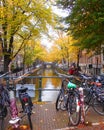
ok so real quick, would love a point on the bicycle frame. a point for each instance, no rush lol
(89, 97)
(26, 103)
(24, 99)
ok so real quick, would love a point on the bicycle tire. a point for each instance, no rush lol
(60, 104)
(3, 114)
(2, 124)
(29, 120)
(3, 111)
(74, 110)
(28, 112)
(98, 106)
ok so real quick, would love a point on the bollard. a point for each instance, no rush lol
(82, 105)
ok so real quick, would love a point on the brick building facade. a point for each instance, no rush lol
(91, 64)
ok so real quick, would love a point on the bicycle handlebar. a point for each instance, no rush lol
(86, 77)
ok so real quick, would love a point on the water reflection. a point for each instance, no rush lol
(47, 83)
(50, 84)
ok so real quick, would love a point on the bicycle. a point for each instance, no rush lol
(91, 95)
(26, 103)
(69, 99)
(73, 104)
(82, 100)
(93, 90)
(63, 94)
(95, 99)
(8, 100)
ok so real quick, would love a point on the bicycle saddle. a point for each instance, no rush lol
(23, 89)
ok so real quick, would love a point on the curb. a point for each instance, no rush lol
(74, 127)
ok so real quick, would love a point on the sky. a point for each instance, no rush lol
(45, 41)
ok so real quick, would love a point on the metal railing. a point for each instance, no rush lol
(39, 88)
(17, 79)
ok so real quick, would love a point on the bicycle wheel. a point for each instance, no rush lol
(28, 112)
(60, 102)
(98, 106)
(2, 123)
(3, 114)
(30, 122)
(74, 110)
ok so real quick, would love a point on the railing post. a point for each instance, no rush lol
(40, 87)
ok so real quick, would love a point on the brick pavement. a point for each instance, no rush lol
(46, 117)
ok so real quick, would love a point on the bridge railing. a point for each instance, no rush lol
(14, 80)
(17, 80)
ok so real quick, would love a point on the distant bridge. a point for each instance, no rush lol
(49, 64)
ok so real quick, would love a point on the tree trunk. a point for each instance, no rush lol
(78, 60)
(6, 62)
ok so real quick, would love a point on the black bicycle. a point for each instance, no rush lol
(93, 94)
(26, 103)
(94, 98)
(8, 102)
(73, 106)
(69, 99)
(62, 96)
(63, 93)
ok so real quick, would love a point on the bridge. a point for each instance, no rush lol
(45, 117)
(49, 64)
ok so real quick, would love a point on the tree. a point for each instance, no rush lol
(85, 22)
(33, 50)
(19, 22)
(68, 50)
(54, 54)
(64, 49)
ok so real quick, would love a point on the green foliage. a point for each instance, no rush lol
(85, 21)
(20, 21)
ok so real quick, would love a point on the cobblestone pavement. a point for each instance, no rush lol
(46, 117)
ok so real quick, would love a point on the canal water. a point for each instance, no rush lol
(50, 85)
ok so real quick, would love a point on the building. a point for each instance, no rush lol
(1, 57)
(91, 63)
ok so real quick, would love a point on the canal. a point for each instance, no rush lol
(50, 85)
